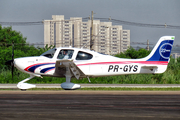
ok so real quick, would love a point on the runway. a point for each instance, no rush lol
(88, 105)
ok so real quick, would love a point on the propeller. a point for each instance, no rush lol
(11, 62)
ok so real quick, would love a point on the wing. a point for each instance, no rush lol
(63, 65)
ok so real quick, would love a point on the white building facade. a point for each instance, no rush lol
(107, 38)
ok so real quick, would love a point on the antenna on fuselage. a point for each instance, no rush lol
(84, 45)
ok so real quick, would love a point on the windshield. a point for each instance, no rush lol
(49, 53)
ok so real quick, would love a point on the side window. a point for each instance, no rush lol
(83, 56)
(65, 54)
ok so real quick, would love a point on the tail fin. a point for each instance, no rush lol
(162, 50)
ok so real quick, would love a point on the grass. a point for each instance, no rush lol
(171, 76)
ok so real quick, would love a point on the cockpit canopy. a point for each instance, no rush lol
(68, 54)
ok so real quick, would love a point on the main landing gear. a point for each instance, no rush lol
(68, 85)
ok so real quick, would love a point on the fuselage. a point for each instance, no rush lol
(92, 64)
(79, 63)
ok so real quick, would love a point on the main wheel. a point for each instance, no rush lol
(23, 89)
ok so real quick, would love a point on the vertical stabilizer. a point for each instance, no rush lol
(162, 50)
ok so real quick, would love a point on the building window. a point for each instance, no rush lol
(66, 21)
(114, 44)
(124, 44)
(84, 33)
(102, 36)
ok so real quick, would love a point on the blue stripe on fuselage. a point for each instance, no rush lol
(46, 69)
(32, 69)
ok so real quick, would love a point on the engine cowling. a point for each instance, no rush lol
(70, 86)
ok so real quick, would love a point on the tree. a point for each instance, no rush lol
(7, 36)
(21, 48)
(133, 54)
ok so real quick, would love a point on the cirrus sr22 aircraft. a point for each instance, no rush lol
(81, 63)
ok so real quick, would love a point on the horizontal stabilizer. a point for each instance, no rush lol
(149, 67)
(146, 66)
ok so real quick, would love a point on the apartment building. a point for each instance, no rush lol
(106, 39)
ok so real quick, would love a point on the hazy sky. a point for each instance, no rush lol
(141, 11)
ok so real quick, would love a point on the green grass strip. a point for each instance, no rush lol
(107, 89)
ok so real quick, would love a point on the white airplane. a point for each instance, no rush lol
(82, 63)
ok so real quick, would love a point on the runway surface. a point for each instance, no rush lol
(88, 105)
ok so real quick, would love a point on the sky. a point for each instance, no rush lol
(140, 11)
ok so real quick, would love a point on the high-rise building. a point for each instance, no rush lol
(106, 39)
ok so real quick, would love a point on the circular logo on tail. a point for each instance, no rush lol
(165, 50)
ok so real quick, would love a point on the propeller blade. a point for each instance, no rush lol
(9, 62)
(13, 51)
(12, 70)
(12, 63)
